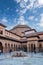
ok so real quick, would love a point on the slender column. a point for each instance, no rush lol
(36, 44)
(28, 47)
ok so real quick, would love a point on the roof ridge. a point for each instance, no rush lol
(3, 25)
(20, 26)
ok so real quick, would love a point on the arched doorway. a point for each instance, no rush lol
(31, 47)
(34, 49)
(24, 48)
(1, 48)
(40, 47)
(6, 47)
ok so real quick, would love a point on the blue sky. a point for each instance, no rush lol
(28, 12)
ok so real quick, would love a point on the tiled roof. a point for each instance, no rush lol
(40, 33)
(32, 35)
(40, 39)
(13, 33)
(2, 25)
(21, 26)
(30, 30)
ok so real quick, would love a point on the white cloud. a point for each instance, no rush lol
(25, 6)
(4, 20)
(33, 3)
(36, 19)
(31, 17)
(18, 1)
(40, 2)
(36, 3)
(26, 0)
(22, 4)
(22, 21)
(40, 24)
(22, 11)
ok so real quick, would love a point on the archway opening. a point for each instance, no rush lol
(24, 48)
(34, 49)
(1, 48)
(6, 47)
(31, 47)
(40, 47)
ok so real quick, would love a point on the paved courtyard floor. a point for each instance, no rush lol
(32, 59)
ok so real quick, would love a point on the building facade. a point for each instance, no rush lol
(20, 37)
